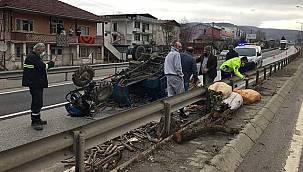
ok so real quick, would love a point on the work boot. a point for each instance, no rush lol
(36, 125)
(42, 122)
(37, 118)
(37, 122)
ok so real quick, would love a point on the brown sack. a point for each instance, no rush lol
(221, 87)
(249, 96)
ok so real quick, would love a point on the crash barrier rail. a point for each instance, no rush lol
(73, 142)
(66, 70)
(101, 130)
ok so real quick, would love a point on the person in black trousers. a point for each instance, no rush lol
(35, 77)
(189, 67)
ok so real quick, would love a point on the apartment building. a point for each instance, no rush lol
(167, 31)
(129, 29)
(69, 33)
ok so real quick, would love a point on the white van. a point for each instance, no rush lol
(252, 52)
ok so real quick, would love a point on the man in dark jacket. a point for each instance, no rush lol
(35, 77)
(189, 67)
(208, 66)
(231, 53)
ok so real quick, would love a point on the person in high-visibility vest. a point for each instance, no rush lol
(35, 77)
(231, 67)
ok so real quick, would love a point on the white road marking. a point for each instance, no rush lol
(293, 160)
(26, 89)
(13, 115)
(50, 86)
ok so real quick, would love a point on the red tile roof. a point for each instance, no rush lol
(49, 7)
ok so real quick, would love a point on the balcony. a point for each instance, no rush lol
(52, 39)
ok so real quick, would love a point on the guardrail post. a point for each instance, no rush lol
(167, 118)
(270, 69)
(264, 72)
(275, 69)
(279, 65)
(66, 75)
(79, 146)
(246, 83)
(257, 77)
(231, 83)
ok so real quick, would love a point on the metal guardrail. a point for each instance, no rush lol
(66, 70)
(69, 69)
(75, 141)
(100, 130)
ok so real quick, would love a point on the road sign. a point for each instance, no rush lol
(251, 36)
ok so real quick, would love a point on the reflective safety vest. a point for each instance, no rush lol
(232, 65)
(34, 71)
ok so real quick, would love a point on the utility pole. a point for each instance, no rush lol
(212, 35)
(301, 35)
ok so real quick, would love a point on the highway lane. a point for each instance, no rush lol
(20, 101)
(279, 148)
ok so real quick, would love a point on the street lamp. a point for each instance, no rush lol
(301, 23)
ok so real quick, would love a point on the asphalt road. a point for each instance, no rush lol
(270, 152)
(20, 101)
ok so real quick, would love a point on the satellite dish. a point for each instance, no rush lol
(3, 46)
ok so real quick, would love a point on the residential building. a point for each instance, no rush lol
(167, 31)
(129, 29)
(123, 32)
(68, 32)
(199, 32)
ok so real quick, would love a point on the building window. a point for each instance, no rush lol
(84, 30)
(137, 25)
(145, 38)
(137, 37)
(56, 26)
(145, 26)
(115, 27)
(24, 25)
(18, 51)
(84, 52)
(59, 52)
(56, 51)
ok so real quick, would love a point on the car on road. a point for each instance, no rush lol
(252, 52)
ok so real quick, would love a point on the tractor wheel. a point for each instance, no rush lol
(102, 92)
(83, 76)
(139, 50)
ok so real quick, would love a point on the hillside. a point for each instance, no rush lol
(275, 34)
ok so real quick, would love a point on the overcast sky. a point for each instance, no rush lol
(262, 13)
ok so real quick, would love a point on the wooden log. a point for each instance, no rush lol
(200, 127)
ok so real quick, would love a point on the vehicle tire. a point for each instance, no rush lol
(139, 50)
(102, 92)
(83, 75)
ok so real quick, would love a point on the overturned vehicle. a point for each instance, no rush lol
(143, 80)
